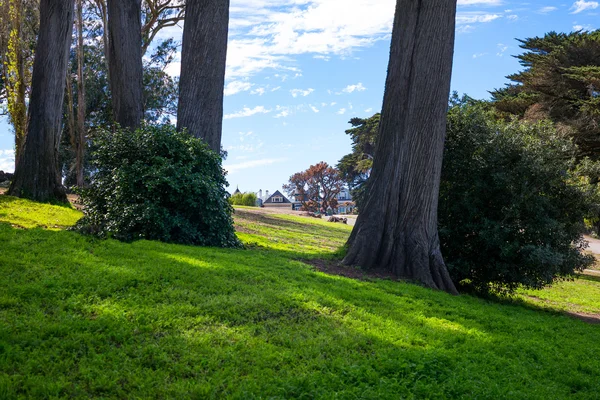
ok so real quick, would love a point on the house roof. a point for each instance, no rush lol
(237, 190)
(277, 193)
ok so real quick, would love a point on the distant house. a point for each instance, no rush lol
(277, 200)
(237, 191)
(345, 203)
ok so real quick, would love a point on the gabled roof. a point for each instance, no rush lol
(277, 193)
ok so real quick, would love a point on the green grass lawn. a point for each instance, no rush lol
(84, 318)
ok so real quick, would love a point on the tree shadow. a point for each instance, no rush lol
(128, 319)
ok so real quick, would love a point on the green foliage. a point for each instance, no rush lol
(355, 167)
(560, 82)
(512, 203)
(158, 184)
(243, 199)
(82, 318)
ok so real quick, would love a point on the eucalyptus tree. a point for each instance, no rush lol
(203, 59)
(397, 227)
(125, 61)
(37, 175)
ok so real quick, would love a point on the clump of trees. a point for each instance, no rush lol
(160, 184)
(317, 187)
(243, 199)
(513, 199)
(111, 39)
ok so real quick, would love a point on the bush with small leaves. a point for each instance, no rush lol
(512, 204)
(158, 184)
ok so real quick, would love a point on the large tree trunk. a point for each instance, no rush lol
(80, 148)
(203, 57)
(38, 175)
(397, 229)
(125, 61)
(16, 84)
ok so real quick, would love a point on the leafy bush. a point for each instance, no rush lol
(243, 199)
(157, 184)
(512, 205)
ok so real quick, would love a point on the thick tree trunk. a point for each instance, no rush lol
(80, 149)
(125, 61)
(202, 78)
(397, 228)
(38, 175)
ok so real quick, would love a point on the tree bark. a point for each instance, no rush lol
(38, 175)
(203, 59)
(397, 229)
(16, 84)
(81, 134)
(125, 61)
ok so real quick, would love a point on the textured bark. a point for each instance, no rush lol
(397, 228)
(202, 79)
(81, 134)
(125, 61)
(38, 175)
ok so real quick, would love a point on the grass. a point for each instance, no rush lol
(83, 318)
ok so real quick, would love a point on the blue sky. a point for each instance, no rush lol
(298, 70)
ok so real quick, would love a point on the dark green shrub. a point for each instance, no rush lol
(511, 206)
(157, 184)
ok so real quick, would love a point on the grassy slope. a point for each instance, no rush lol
(85, 318)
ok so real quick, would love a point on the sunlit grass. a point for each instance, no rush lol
(83, 318)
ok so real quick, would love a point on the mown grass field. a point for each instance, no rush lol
(83, 318)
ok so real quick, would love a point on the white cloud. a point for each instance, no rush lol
(547, 9)
(275, 89)
(234, 87)
(351, 88)
(283, 112)
(512, 17)
(270, 34)
(465, 29)
(479, 55)
(342, 111)
(232, 168)
(501, 49)
(300, 92)
(480, 2)
(582, 5)
(315, 109)
(472, 17)
(368, 110)
(247, 112)
(587, 28)
(259, 91)
(7, 160)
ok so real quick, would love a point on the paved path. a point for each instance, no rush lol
(594, 246)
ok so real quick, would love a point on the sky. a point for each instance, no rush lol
(299, 70)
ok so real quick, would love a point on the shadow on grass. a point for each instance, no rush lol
(150, 319)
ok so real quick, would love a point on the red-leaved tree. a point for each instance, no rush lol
(318, 185)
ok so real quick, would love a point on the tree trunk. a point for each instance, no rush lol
(38, 175)
(125, 61)
(80, 149)
(397, 229)
(16, 84)
(203, 57)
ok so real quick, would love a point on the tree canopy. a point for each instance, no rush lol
(561, 82)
